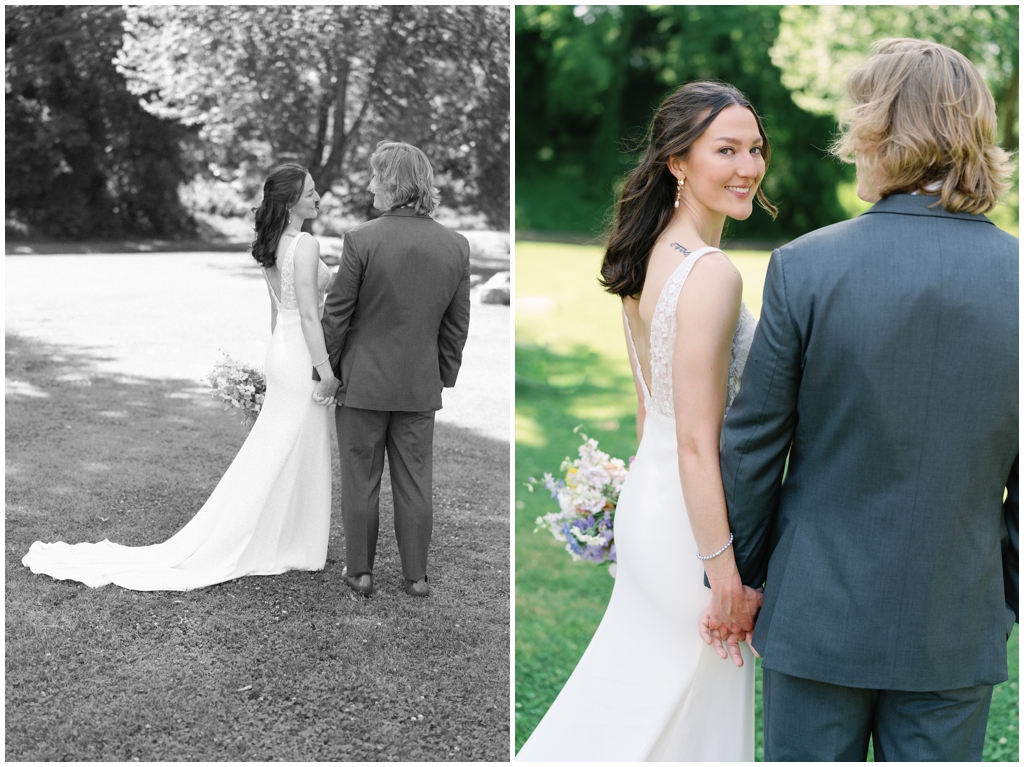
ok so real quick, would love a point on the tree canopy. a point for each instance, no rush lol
(323, 84)
(82, 157)
(110, 109)
(818, 46)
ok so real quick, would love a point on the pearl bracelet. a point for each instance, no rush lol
(712, 556)
(321, 362)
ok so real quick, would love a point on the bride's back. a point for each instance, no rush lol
(640, 311)
(664, 262)
(652, 320)
(274, 272)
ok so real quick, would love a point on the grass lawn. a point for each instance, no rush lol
(571, 370)
(292, 667)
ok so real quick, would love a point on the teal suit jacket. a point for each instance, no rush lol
(885, 367)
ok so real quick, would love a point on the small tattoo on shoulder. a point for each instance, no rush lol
(677, 246)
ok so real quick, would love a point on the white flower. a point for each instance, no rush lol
(239, 387)
(587, 540)
(590, 486)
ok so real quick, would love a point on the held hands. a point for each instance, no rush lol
(325, 389)
(730, 617)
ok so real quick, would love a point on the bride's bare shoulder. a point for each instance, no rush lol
(716, 269)
(307, 247)
(713, 290)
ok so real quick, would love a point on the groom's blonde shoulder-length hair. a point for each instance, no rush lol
(404, 176)
(923, 115)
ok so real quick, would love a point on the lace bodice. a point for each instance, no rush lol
(663, 338)
(286, 263)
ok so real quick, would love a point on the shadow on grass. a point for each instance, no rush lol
(291, 667)
(559, 603)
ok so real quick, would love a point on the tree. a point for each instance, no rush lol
(323, 84)
(818, 46)
(82, 158)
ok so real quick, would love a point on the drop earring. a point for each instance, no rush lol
(290, 213)
(679, 191)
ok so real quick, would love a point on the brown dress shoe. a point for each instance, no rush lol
(417, 588)
(361, 584)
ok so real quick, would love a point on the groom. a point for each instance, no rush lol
(395, 322)
(885, 367)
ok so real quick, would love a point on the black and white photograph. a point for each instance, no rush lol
(258, 383)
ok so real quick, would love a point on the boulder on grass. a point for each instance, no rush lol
(497, 290)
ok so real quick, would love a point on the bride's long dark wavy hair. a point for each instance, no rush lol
(645, 206)
(281, 190)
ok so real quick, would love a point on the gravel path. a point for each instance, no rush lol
(168, 315)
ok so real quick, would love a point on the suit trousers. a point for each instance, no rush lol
(809, 721)
(363, 438)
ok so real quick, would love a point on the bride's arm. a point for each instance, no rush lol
(708, 309)
(634, 363)
(307, 257)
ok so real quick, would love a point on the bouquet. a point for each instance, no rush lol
(240, 387)
(587, 498)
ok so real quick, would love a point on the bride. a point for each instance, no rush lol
(271, 510)
(648, 688)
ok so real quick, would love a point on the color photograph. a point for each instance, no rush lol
(766, 383)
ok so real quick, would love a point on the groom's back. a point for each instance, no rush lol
(410, 269)
(914, 320)
(413, 266)
(907, 429)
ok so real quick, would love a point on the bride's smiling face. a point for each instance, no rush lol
(309, 201)
(724, 166)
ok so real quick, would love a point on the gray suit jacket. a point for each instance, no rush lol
(885, 365)
(397, 318)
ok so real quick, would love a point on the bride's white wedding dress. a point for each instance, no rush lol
(271, 510)
(648, 688)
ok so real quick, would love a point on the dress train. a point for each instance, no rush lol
(269, 513)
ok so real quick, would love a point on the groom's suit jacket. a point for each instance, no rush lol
(885, 365)
(397, 318)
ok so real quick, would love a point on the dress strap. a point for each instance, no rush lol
(291, 248)
(700, 252)
(670, 292)
(285, 268)
(663, 333)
